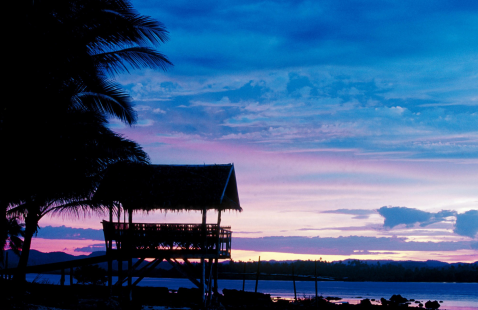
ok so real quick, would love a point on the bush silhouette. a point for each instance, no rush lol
(432, 304)
(90, 274)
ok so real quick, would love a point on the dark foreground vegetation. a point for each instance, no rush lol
(48, 296)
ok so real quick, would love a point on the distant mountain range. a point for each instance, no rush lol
(39, 258)
(347, 270)
(406, 264)
(411, 263)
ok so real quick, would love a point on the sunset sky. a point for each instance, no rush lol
(352, 125)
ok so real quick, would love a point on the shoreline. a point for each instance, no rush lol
(272, 277)
(350, 292)
(50, 296)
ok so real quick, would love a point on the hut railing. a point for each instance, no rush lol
(173, 237)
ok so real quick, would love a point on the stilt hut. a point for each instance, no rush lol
(131, 188)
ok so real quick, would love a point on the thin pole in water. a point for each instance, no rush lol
(315, 274)
(257, 275)
(71, 276)
(293, 280)
(62, 279)
(6, 264)
(244, 278)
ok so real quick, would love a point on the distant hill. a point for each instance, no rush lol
(347, 270)
(366, 270)
(39, 258)
(406, 264)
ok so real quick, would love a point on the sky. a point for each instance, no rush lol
(352, 125)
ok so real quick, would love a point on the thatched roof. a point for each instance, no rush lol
(170, 187)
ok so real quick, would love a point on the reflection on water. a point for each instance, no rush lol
(456, 296)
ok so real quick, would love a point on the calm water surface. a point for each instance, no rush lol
(455, 296)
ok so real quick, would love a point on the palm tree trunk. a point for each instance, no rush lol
(3, 231)
(31, 222)
(3, 226)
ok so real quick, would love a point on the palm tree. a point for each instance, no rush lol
(65, 54)
(13, 232)
(77, 45)
(72, 172)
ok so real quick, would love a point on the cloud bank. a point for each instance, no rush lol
(466, 224)
(63, 232)
(298, 244)
(395, 216)
(343, 245)
(359, 213)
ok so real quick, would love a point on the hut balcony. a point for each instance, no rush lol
(167, 240)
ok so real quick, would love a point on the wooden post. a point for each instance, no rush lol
(118, 244)
(71, 276)
(203, 263)
(130, 254)
(6, 264)
(257, 275)
(209, 288)
(293, 280)
(120, 270)
(244, 278)
(62, 279)
(315, 274)
(218, 247)
(110, 261)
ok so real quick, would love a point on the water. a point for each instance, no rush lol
(455, 296)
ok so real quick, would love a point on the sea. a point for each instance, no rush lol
(452, 296)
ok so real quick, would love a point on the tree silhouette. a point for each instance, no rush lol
(13, 232)
(54, 132)
(83, 152)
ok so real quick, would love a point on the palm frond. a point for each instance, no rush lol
(116, 62)
(106, 97)
(80, 208)
(13, 230)
(111, 27)
(15, 244)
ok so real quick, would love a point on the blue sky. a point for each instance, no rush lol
(330, 111)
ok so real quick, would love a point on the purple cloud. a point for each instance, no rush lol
(342, 245)
(360, 214)
(92, 248)
(467, 223)
(369, 227)
(395, 216)
(63, 232)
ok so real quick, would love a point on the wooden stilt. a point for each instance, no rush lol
(209, 282)
(120, 271)
(203, 280)
(315, 275)
(218, 248)
(132, 269)
(293, 280)
(257, 275)
(6, 264)
(203, 262)
(130, 253)
(147, 270)
(244, 278)
(71, 276)
(191, 276)
(62, 279)
(187, 265)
